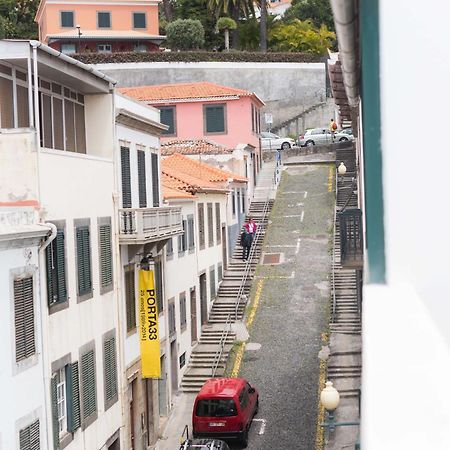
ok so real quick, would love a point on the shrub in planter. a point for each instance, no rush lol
(185, 34)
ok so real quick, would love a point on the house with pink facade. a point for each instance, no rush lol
(203, 110)
(79, 26)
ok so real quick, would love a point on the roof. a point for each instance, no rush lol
(182, 177)
(164, 93)
(109, 34)
(193, 147)
(221, 387)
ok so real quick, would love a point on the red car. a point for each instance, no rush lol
(224, 409)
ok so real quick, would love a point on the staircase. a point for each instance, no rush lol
(210, 355)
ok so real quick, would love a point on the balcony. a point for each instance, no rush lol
(350, 227)
(142, 225)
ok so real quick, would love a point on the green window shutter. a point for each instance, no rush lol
(219, 272)
(215, 119)
(159, 286)
(29, 438)
(106, 269)
(89, 395)
(84, 261)
(183, 309)
(201, 225)
(168, 118)
(210, 225)
(191, 236)
(56, 270)
(73, 397)
(110, 369)
(50, 275)
(142, 185)
(24, 318)
(54, 406)
(130, 298)
(218, 235)
(212, 282)
(126, 177)
(155, 179)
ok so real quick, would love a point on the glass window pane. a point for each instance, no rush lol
(69, 125)
(46, 117)
(58, 131)
(139, 20)
(168, 118)
(67, 19)
(22, 106)
(104, 20)
(6, 103)
(80, 128)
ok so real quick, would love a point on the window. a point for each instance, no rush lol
(66, 18)
(105, 256)
(140, 48)
(110, 370)
(169, 247)
(65, 401)
(183, 310)
(182, 360)
(201, 225)
(218, 231)
(130, 299)
(168, 118)
(56, 270)
(155, 179)
(159, 286)
(104, 48)
(126, 176)
(219, 272)
(253, 118)
(172, 325)
(182, 239)
(88, 388)
(139, 20)
(142, 184)
(24, 318)
(29, 438)
(214, 118)
(68, 49)
(83, 261)
(242, 200)
(210, 225)
(243, 399)
(103, 19)
(233, 201)
(212, 407)
(191, 235)
(212, 282)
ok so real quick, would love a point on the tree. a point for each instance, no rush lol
(263, 26)
(318, 11)
(299, 36)
(17, 19)
(226, 24)
(185, 34)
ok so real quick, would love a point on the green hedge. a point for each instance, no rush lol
(200, 56)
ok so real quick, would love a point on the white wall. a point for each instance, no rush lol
(22, 384)
(406, 323)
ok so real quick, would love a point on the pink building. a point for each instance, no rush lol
(77, 26)
(204, 110)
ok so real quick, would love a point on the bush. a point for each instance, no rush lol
(185, 34)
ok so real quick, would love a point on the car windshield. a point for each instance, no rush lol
(216, 408)
(269, 135)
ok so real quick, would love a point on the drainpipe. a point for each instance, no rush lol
(44, 354)
(346, 23)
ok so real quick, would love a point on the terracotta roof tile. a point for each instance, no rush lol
(184, 91)
(193, 147)
(187, 176)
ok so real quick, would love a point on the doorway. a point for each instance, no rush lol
(162, 388)
(224, 248)
(203, 299)
(135, 423)
(174, 366)
(193, 316)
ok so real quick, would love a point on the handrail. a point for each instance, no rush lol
(333, 284)
(223, 339)
(249, 260)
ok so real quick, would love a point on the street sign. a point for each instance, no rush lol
(268, 118)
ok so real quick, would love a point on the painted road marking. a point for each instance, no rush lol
(275, 277)
(276, 245)
(295, 192)
(251, 316)
(292, 215)
(330, 179)
(306, 194)
(302, 216)
(262, 428)
(298, 246)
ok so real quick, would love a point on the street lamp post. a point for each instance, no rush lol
(78, 27)
(329, 397)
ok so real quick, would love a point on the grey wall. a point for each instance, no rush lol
(286, 88)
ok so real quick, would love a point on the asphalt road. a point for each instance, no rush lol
(292, 312)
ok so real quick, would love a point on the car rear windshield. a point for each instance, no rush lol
(216, 408)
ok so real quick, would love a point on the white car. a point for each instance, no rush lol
(271, 141)
(318, 136)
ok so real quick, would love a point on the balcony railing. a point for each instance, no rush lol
(141, 225)
(350, 227)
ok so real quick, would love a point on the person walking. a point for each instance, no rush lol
(333, 129)
(247, 237)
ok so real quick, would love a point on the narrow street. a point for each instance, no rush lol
(285, 333)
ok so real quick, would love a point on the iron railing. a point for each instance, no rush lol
(351, 238)
(149, 224)
(223, 341)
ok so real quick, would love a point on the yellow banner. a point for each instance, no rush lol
(149, 332)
